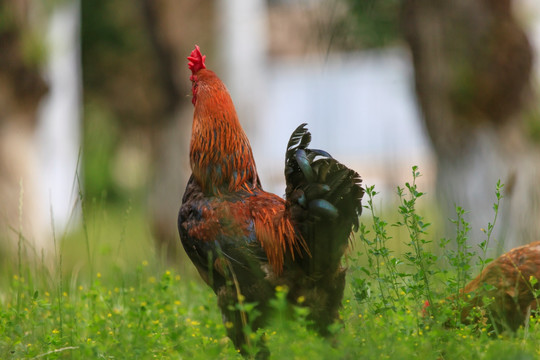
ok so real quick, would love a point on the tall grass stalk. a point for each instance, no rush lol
(484, 245)
(85, 227)
(59, 272)
(20, 244)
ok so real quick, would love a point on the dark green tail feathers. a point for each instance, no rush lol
(324, 199)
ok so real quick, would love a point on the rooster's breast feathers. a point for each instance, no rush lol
(247, 229)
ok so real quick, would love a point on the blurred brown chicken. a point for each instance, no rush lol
(504, 293)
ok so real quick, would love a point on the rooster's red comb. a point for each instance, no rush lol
(196, 60)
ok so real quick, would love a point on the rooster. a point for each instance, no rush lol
(244, 241)
(506, 291)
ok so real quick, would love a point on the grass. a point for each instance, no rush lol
(107, 295)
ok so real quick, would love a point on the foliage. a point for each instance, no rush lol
(98, 178)
(375, 22)
(115, 300)
(531, 122)
(122, 104)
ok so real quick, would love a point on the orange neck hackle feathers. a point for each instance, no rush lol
(220, 154)
(222, 162)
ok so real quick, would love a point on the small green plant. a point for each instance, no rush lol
(419, 258)
(396, 278)
(460, 257)
(382, 267)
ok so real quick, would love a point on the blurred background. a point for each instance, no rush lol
(95, 110)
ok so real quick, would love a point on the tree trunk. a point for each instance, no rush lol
(22, 211)
(472, 68)
(174, 28)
